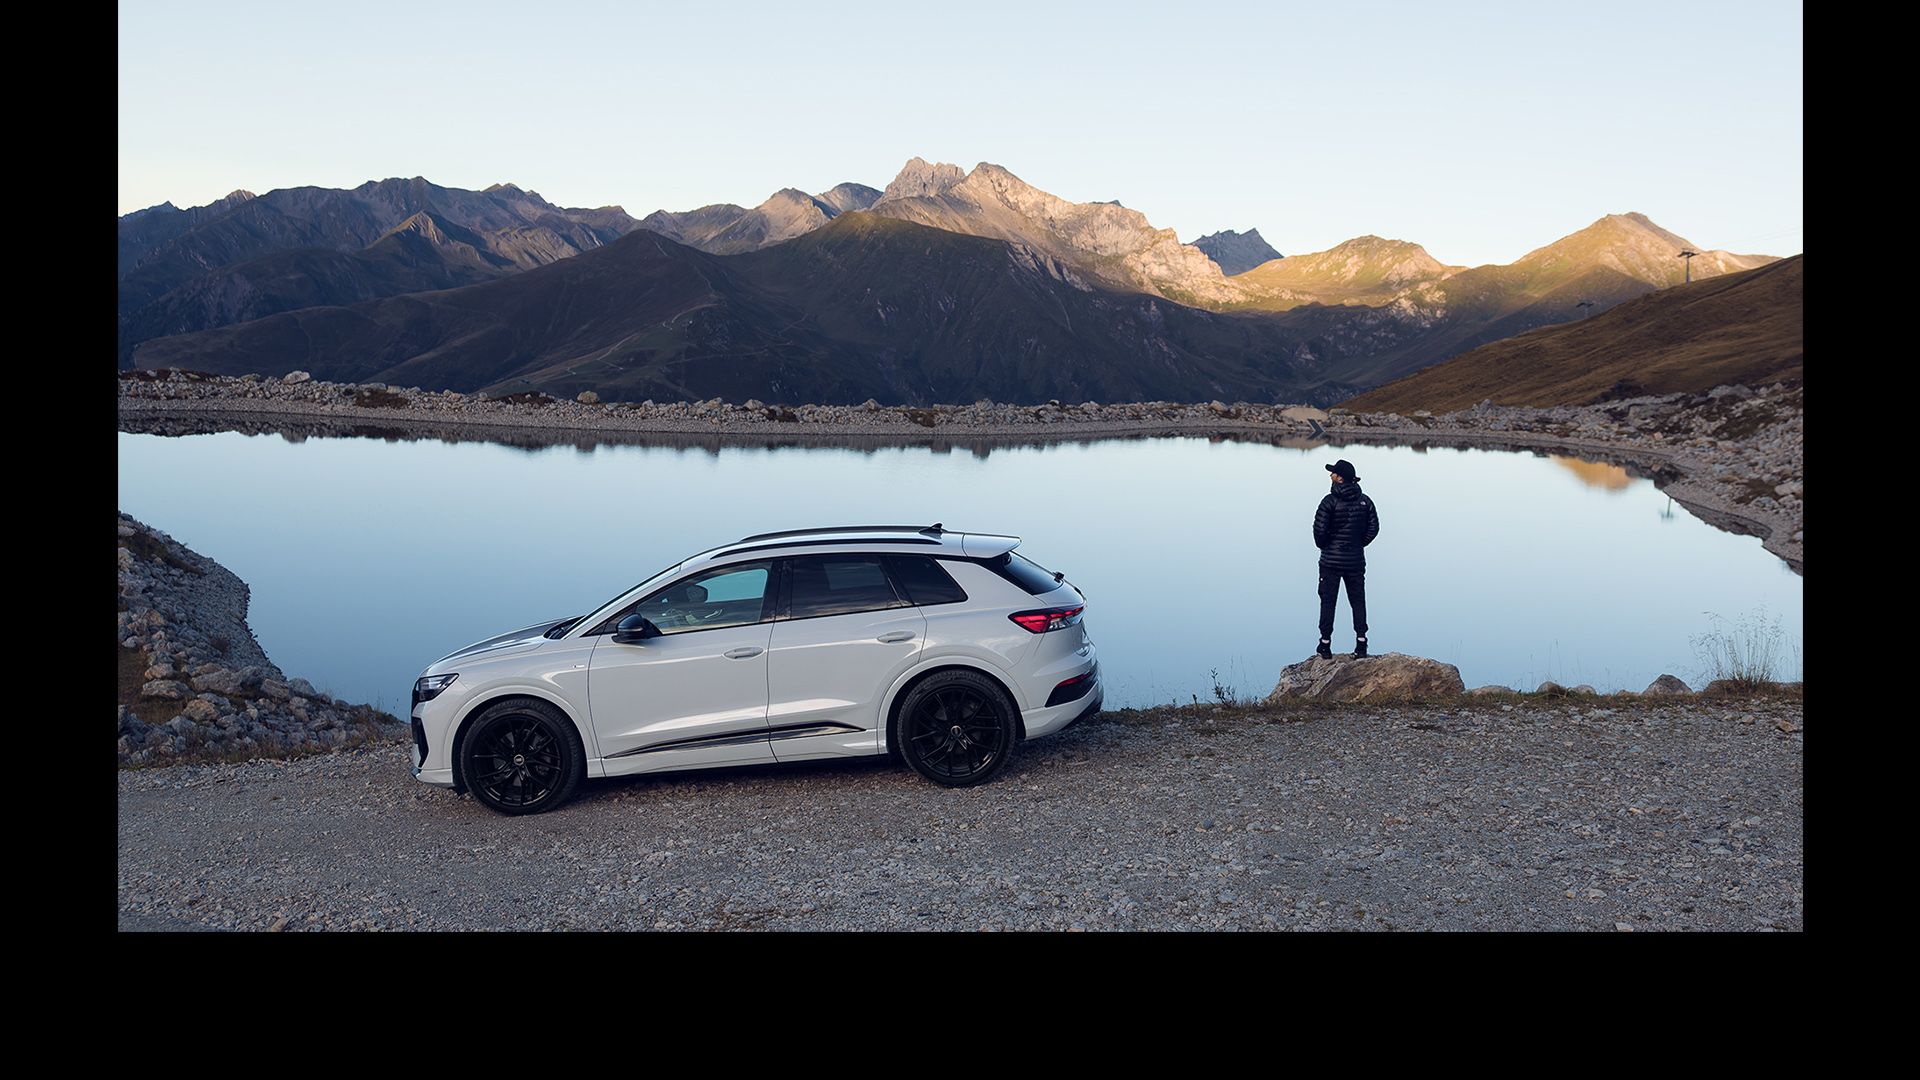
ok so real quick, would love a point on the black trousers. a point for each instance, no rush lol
(1356, 580)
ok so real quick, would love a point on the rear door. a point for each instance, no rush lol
(841, 635)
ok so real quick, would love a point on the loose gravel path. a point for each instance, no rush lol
(1605, 814)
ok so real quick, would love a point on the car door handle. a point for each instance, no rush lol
(892, 636)
(747, 653)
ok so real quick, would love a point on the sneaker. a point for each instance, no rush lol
(1325, 651)
(1359, 648)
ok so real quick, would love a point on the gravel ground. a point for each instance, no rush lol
(1602, 814)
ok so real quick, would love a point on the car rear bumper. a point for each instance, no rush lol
(1047, 721)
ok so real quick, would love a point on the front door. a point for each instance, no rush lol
(842, 636)
(696, 695)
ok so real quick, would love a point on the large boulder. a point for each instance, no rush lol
(164, 689)
(1344, 678)
(1667, 684)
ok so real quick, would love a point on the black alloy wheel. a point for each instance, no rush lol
(957, 728)
(521, 758)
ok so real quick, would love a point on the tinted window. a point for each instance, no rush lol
(1023, 572)
(924, 581)
(724, 596)
(838, 585)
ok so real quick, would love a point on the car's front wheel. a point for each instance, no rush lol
(522, 757)
(956, 728)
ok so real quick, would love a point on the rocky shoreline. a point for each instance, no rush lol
(195, 684)
(1733, 455)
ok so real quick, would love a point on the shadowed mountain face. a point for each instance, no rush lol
(1236, 252)
(1742, 327)
(865, 307)
(245, 257)
(146, 230)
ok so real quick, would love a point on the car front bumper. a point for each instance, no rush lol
(442, 777)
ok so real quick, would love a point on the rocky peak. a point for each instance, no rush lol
(921, 177)
(1632, 244)
(162, 208)
(1236, 252)
(1393, 260)
(793, 199)
(1104, 241)
(422, 224)
(849, 196)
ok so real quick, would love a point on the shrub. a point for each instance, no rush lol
(1746, 652)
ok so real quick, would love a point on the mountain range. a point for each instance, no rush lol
(835, 296)
(726, 229)
(245, 257)
(864, 307)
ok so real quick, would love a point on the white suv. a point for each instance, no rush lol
(943, 648)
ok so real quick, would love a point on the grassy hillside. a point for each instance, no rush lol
(1743, 327)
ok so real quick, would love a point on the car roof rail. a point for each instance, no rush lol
(934, 530)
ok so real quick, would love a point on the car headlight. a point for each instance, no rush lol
(428, 687)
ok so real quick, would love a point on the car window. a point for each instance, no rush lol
(838, 585)
(1023, 572)
(732, 595)
(925, 581)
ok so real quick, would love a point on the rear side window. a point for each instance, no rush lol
(1023, 572)
(924, 581)
(838, 585)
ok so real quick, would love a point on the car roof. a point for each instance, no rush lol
(933, 539)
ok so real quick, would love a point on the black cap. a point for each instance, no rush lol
(1344, 468)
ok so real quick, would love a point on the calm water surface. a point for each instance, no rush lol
(369, 559)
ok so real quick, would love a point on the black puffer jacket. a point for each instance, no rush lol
(1343, 527)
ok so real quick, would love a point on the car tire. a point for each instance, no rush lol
(522, 757)
(956, 728)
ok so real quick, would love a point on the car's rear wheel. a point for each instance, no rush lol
(956, 728)
(522, 757)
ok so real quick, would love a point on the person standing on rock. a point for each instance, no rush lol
(1343, 526)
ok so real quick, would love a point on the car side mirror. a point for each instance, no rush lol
(634, 629)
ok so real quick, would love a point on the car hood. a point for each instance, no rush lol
(524, 637)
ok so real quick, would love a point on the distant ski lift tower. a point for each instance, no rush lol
(1688, 255)
(1585, 307)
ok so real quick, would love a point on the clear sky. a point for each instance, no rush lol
(1481, 130)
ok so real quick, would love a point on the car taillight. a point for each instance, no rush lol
(1041, 620)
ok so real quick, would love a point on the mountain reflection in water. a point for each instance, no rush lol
(1595, 474)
